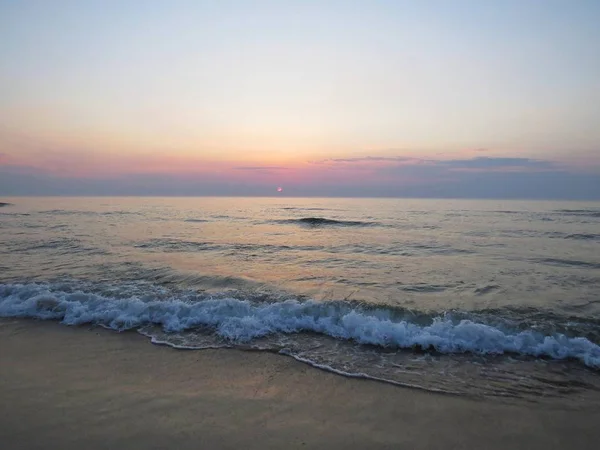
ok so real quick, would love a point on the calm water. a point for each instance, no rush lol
(485, 298)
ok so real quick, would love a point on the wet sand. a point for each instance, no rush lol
(67, 388)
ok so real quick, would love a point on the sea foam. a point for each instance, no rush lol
(240, 321)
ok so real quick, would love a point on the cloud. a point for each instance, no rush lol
(486, 162)
(262, 168)
(479, 163)
(363, 159)
(373, 158)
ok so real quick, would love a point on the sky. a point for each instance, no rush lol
(477, 99)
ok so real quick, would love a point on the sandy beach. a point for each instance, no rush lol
(66, 387)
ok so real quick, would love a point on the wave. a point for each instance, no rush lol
(396, 249)
(315, 222)
(583, 236)
(176, 245)
(240, 321)
(568, 263)
(579, 212)
(561, 235)
(424, 288)
(515, 233)
(58, 245)
(83, 213)
(2, 204)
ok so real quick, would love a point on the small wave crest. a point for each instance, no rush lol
(315, 222)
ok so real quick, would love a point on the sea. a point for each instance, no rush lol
(475, 298)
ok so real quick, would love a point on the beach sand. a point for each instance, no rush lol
(67, 387)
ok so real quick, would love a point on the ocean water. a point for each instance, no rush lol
(474, 298)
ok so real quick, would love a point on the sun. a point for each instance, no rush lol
(279, 189)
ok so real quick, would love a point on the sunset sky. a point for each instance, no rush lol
(351, 98)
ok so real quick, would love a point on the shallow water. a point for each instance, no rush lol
(469, 297)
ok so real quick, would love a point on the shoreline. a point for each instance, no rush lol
(71, 387)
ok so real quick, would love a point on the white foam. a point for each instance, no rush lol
(241, 321)
(364, 375)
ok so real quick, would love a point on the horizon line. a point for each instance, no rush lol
(390, 197)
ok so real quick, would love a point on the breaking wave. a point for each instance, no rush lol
(240, 321)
